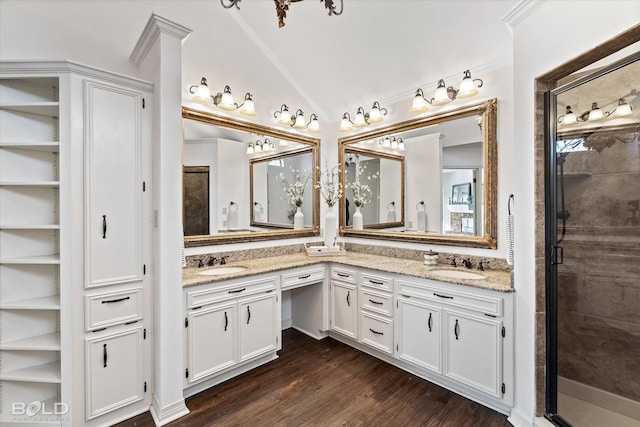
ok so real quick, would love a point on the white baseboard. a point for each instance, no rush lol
(542, 422)
(319, 335)
(285, 324)
(518, 419)
(162, 416)
(595, 396)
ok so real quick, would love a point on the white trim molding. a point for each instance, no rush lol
(155, 26)
(520, 11)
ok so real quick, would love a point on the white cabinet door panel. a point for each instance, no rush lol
(474, 349)
(113, 186)
(113, 371)
(344, 309)
(257, 325)
(419, 334)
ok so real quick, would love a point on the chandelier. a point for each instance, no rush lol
(282, 6)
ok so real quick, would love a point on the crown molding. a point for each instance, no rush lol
(520, 11)
(155, 26)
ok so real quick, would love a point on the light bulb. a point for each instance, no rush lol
(394, 143)
(250, 149)
(375, 115)
(419, 104)
(226, 101)
(300, 122)
(467, 86)
(441, 96)
(359, 121)
(202, 92)
(401, 145)
(248, 108)
(345, 123)
(284, 118)
(314, 125)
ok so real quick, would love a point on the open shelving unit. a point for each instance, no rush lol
(30, 345)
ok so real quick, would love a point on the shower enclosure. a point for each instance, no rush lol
(592, 234)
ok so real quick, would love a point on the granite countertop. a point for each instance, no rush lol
(496, 280)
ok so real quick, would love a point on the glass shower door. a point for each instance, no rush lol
(593, 249)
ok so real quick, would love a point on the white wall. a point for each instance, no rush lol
(553, 34)
(423, 163)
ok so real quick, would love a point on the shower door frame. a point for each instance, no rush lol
(553, 252)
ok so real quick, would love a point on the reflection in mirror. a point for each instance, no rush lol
(222, 203)
(270, 179)
(449, 178)
(375, 181)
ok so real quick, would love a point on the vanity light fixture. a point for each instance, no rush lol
(622, 109)
(298, 121)
(224, 100)
(260, 147)
(362, 119)
(392, 143)
(283, 115)
(445, 94)
(346, 124)
(313, 125)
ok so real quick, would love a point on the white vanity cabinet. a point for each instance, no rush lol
(343, 317)
(375, 297)
(418, 333)
(229, 324)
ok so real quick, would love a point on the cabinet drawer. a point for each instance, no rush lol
(378, 302)
(470, 300)
(302, 278)
(114, 308)
(377, 332)
(347, 276)
(376, 281)
(222, 292)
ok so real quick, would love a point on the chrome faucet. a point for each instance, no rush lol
(453, 261)
(467, 262)
(223, 259)
(212, 261)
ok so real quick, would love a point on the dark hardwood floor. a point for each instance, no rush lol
(327, 383)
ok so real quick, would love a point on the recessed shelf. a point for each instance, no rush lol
(44, 303)
(48, 342)
(49, 109)
(30, 183)
(42, 259)
(47, 373)
(37, 146)
(29, 226)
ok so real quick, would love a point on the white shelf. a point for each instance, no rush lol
(44, 303)
(48, 109)
(47, 373)
(48, 342)
(30, 183)
(37, 146)
(43, 259)
(29, 226)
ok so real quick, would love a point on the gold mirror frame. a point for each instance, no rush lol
(314, 143)
(488, 111)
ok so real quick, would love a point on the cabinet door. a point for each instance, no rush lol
(344, 309)
(114, 371)
(419, 326)
(474, 351)
(257, 325)
(211, 340)
(113, 189)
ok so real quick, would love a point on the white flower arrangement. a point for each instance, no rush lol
(294, 191)
(330, 185)
(362, 192)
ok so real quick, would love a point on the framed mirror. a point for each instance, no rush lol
(449, 181)
(235, 181)
(381, 175)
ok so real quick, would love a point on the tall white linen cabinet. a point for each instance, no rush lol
(75, 245)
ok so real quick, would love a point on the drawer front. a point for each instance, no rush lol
(376, 281)
(301, 278)
(343, 275)
(223, 292)
(376, 332)
(475, 301)
(378, 302)
(113, 308)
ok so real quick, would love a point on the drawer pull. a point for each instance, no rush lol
(115, 300)
(348, 300)
(237, 291)
(248, 314)
(456, 329)
(104, 355)
(343, 275)
(104, 226)
(442, 296)
(430, 321)
(226, 321)
(375, 302)
(375, 282)
(376, 332)
(304, 277)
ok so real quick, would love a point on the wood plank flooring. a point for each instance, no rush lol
(327, 383)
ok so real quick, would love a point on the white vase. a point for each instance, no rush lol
(330, 226)
(298, 219)
(357, 219)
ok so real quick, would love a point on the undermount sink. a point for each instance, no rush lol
(218, 271)
(458, 274)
